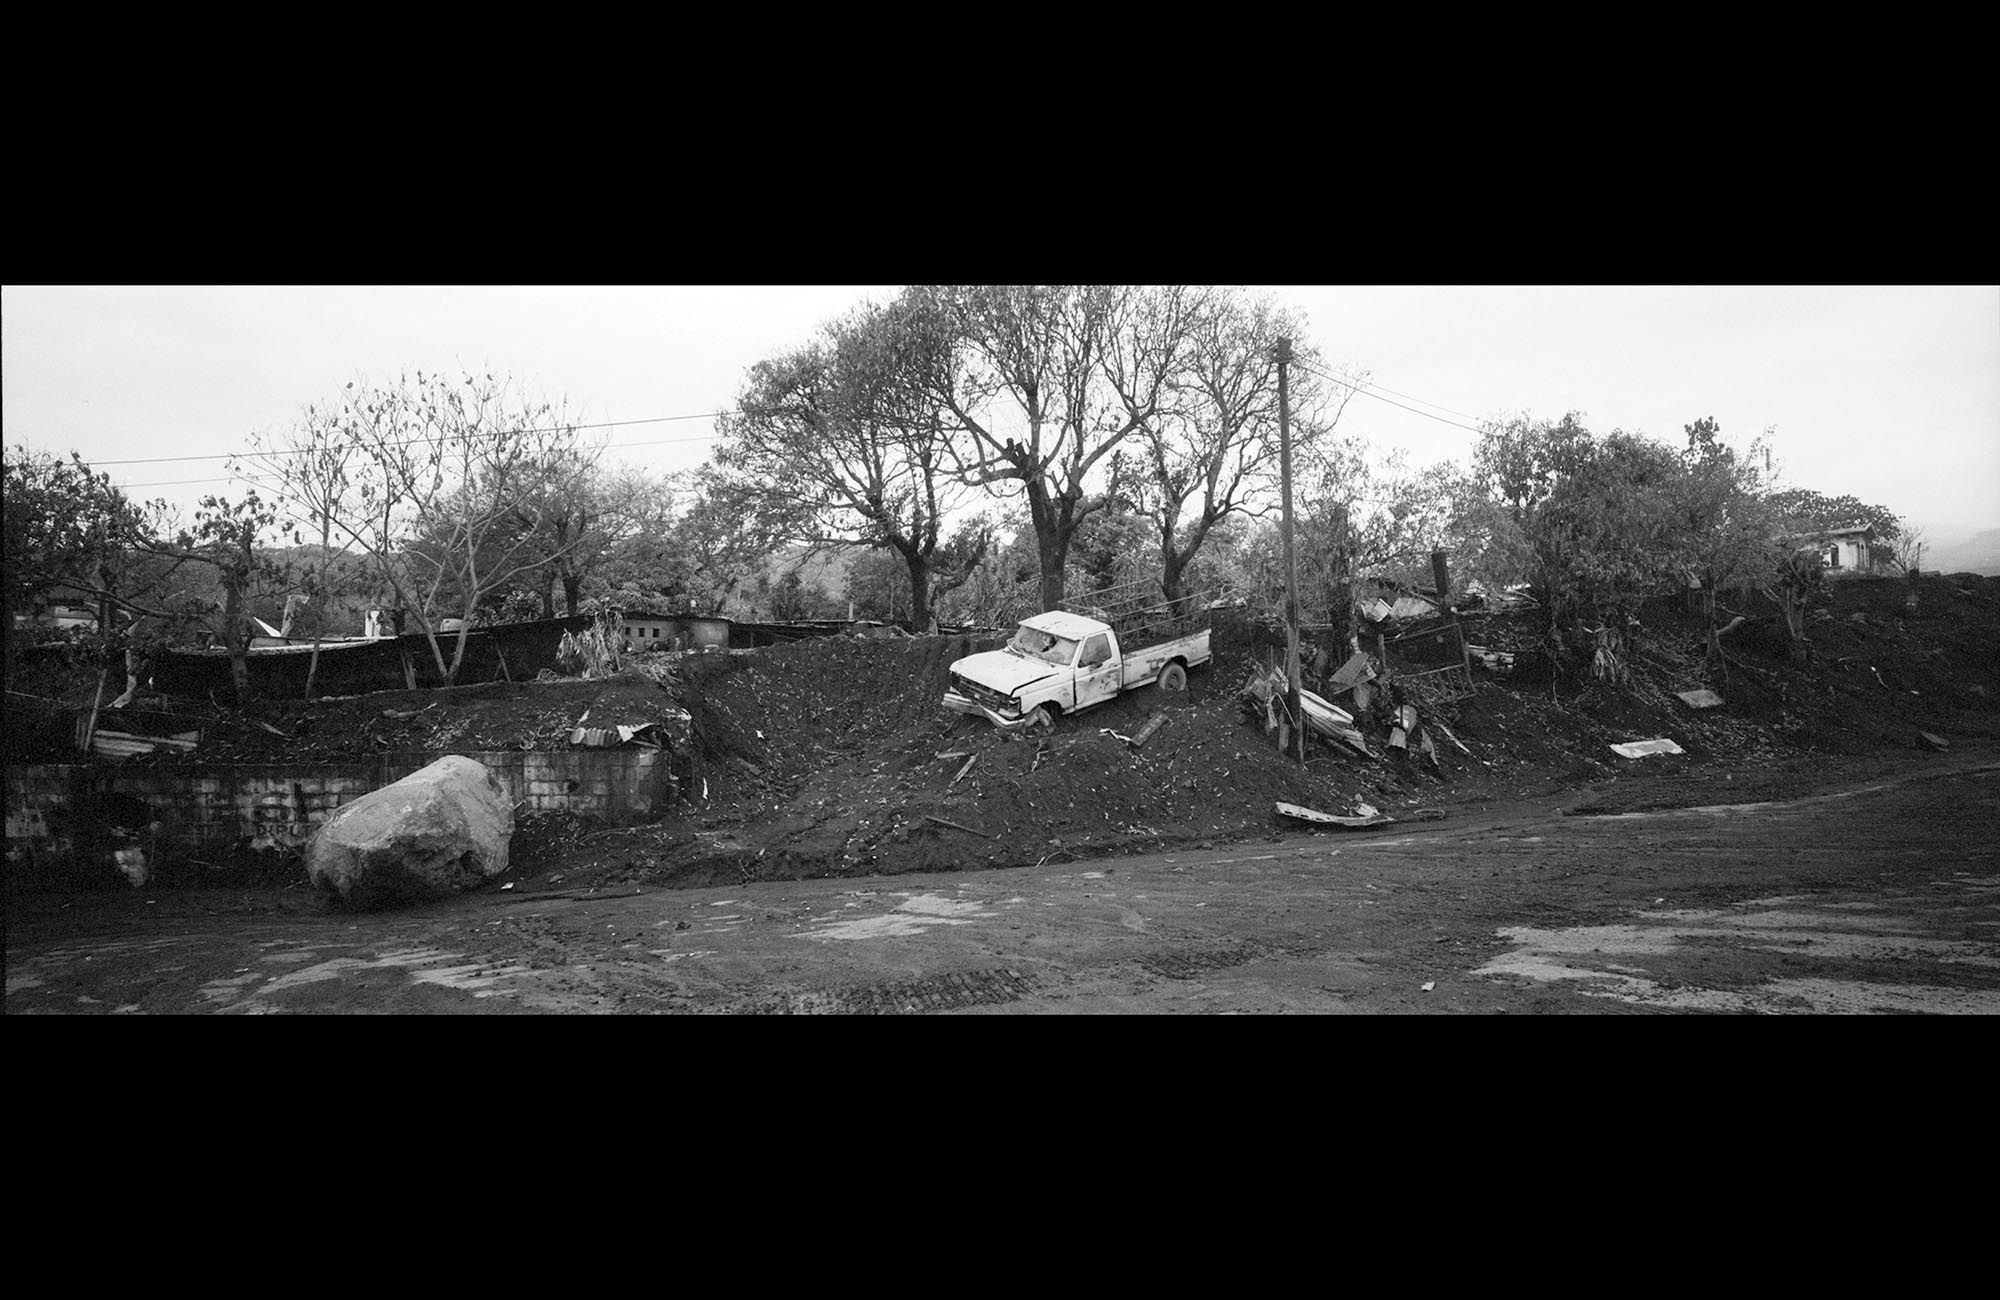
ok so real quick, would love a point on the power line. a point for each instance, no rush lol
(1364, 389)
(506, 433)
(1366, 392)
(1421, 402)
(614, 446)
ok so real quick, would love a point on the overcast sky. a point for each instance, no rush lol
(1891, 393)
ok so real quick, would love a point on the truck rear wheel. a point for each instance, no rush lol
(1173, 679)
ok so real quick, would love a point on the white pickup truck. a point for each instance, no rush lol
(1059, 662)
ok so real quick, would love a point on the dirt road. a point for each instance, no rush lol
(1877, 897)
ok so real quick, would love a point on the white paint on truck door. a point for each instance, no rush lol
(1096, 671)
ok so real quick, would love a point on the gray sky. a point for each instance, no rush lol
(1891, 393)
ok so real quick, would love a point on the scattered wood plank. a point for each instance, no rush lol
(1153, 724)
(1641, 748)
(124, 744)
(945, 821)
(963, 770)
(97, 702)
(1433, 722)
(1298, 813)
(1700, 698)
(1358, 668)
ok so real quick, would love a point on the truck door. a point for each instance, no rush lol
(1096, 671)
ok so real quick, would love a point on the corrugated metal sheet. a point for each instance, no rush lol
(124, 744)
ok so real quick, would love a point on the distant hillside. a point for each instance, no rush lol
(827, 570)
(1979, 553)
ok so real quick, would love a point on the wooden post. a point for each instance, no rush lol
(1282, 353)
(1442, 575)
(96, 703)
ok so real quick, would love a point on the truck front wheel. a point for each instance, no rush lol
(1173, 679)
(1042, 721)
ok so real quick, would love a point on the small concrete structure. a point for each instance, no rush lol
(1845, 551)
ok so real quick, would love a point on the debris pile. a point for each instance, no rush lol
(833, 756)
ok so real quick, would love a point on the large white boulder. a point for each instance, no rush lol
(432, 834)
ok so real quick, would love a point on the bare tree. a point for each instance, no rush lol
(1210, 448)
(307, 476)
(1910, 548)
(443, 484)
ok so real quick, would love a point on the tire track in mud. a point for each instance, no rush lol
(1196, 962)
(936, 993)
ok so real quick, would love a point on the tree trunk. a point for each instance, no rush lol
(920, 590)
(572, 585)
(1051, 553)
(235, 584)
(1172, 567)
(233, 621)
(458, 651)
(1051, 543)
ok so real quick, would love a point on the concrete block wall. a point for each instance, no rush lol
(36, 797)
(280, 805)
(614, 785)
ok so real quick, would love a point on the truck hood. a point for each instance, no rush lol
(997, 670)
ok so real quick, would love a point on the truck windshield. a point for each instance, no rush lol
(1046, 646)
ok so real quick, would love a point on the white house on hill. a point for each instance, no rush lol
(1845, 551)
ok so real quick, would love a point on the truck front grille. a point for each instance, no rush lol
(985, 695)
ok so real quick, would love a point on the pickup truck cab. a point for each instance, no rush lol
(1060, 662)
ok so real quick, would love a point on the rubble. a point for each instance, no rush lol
(841, 778)
(125, 744)
(1641, 748)
(1298, 813)
(1146, 733)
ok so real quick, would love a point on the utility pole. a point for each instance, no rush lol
(1282, 354)
(1441, 575)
